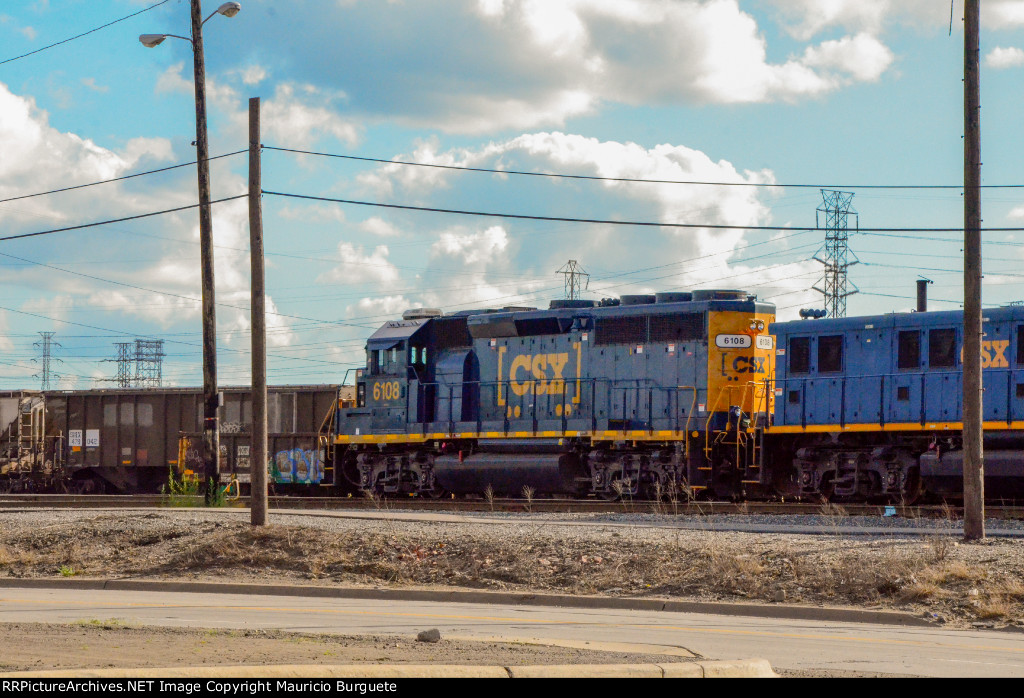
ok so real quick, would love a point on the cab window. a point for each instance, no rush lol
(909, 350)
(942, 348)
(800, 355)
(830, 354)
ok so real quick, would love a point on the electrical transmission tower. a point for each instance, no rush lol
(835, 253)
(149, 359)
(45, 345)
(124, 364)
(577, 279)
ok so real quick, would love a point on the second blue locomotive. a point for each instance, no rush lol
(872, 406)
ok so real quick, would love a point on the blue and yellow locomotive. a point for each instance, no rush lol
(872, 406)
(627, 397)
(701, 392)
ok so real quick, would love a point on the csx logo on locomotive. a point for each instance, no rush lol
(537, 374)
(749, 364)
(993, 353)
(744, 364)
(546, 370)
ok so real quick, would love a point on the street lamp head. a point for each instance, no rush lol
(151, 40)
(230, 9)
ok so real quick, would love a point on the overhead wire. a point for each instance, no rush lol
(598, 221)
(116, 220)
(79, 36)
(116, 179)
(599, 178)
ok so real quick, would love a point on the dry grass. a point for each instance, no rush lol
(933, 574)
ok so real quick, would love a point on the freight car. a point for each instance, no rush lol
(124, 441)
(616, 398)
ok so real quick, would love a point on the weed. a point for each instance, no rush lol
(920, 591)
(380, 503)
(995, 606)
(181, 491)
(528, 493)
(834, 514)
(620, 492)
(673, 499)
(659, 495)
(108, 624)
(940, 545)
(489, 496)
(217, 496)
(67, 571)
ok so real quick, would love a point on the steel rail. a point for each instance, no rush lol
(539, 505)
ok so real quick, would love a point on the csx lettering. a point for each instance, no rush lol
(749, 364)
(546, 371)
(997, 357)
(993, 353)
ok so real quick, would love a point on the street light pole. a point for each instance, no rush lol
(211, 398)
(211, 432)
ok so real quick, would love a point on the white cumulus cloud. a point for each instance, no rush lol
(356, 266)
(1000, 57)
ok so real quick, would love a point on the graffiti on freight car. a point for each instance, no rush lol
(232, 428)
(297, 466)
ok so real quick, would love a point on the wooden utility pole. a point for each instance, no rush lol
(211, 398)
(974, 468)
(258, 448)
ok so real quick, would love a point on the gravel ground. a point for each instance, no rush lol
(628, 554)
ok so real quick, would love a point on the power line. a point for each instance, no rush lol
(79, 36)
(115, 179)
(635, 179)
(169, 293)
(116, 220)
(597, 221)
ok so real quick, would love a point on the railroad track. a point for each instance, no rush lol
(19, 501)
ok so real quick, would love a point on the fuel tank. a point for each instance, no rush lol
(509, 473)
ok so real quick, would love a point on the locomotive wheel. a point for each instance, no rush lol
(912, 490)
(434, 493)
(616, 488)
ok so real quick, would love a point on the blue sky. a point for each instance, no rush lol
(819, 92)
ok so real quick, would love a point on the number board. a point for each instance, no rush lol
(387, 391)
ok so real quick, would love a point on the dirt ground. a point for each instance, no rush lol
(935, 575)
(99, 644)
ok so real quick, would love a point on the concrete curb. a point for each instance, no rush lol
(749, 668)
(837, 615)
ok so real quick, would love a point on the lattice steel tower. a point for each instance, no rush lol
(149, 359)
(577, 279)
(835, 253)
(124, 364)
(45, 345)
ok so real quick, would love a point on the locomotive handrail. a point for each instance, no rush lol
(740, 436)
(638, 392)
(689, 415)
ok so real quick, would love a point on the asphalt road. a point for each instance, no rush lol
(787, 644)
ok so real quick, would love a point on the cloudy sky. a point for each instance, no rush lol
(845, 94)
